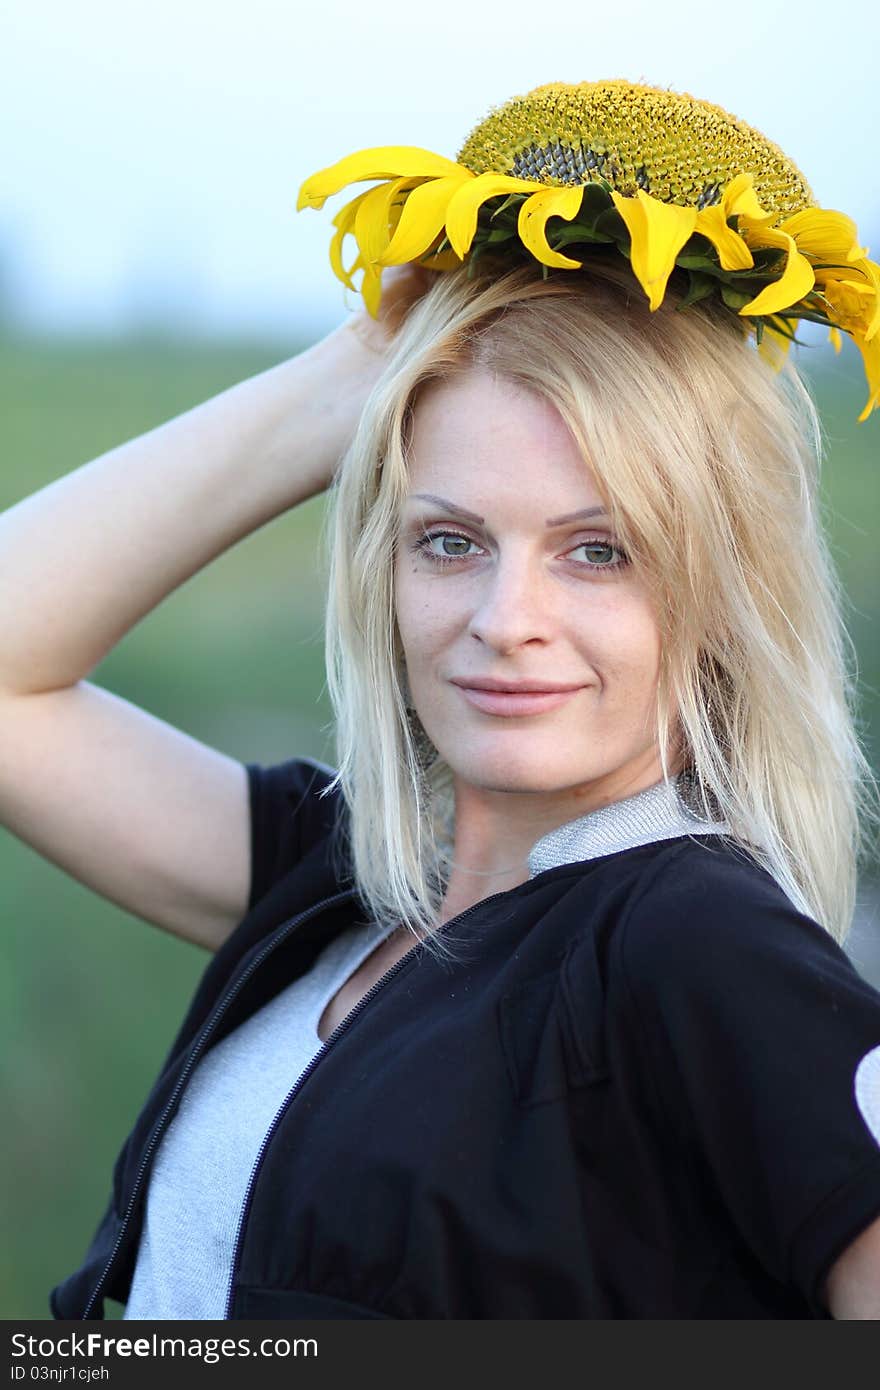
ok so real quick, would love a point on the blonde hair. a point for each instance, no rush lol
(709, 464)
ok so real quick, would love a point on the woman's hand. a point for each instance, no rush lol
(402, 287)
(344, 367)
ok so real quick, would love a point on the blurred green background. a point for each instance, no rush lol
(93, 996)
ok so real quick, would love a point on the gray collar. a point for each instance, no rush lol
(660, 812)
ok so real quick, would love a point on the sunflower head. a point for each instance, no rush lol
(661, 178)
(668, 144)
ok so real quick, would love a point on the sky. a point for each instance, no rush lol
(153, 152)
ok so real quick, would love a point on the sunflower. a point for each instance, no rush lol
(659, 177)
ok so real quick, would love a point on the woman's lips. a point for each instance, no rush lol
(499, 702)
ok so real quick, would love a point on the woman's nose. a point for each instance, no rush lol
(511, 605)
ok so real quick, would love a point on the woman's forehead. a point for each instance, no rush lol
(478, 389)
(481, 437)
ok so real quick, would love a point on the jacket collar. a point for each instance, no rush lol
(660, 812)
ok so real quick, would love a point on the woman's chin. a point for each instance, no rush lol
(512, 771)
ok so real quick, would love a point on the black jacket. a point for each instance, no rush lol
(634, 1098)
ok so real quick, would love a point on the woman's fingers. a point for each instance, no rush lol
(402, 287)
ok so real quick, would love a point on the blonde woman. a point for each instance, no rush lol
(536, 1006)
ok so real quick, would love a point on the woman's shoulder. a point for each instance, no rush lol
(701, 868)
(679, 879)
(297, 775)
(707, 914)
(295, 808)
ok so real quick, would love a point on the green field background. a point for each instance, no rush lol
(91, 995)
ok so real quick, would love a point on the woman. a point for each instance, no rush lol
(624, 1069)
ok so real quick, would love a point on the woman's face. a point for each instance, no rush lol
(500, 580)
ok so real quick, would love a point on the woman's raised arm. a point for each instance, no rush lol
(138, 810)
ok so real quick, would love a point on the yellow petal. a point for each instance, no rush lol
(853, 293)
(657, 232)
(379, 162)
(423, 218)
(532, 222)
(835, 338)
(733, 253)
(850, 275)
(795, 282)
(371, 285)
(441, 260)
(774, 347)
(371, 289)
(830, 236)
(871, 271)
(465, 204)
(344, 224)
(871, 359)
(740, 198)
(862, 278)
(372, 218)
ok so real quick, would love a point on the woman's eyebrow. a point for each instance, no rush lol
(479, 520)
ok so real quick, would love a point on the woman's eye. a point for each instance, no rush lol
(455, 547)
(599, 553)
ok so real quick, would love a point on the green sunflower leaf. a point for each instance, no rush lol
(571, 232)
(734, 298)
(779, 326)
(766, 257)
(699, 245)
(691, 260)
(699, 287)
(512, 200)
(612, 224)
(596, 199)
(761, 275)
(811, 317)
(499, 234)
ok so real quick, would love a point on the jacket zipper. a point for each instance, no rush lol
(304, 1075)
(340, 1027)
(208, 1027)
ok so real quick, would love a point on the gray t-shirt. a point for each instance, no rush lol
(203, 1163)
